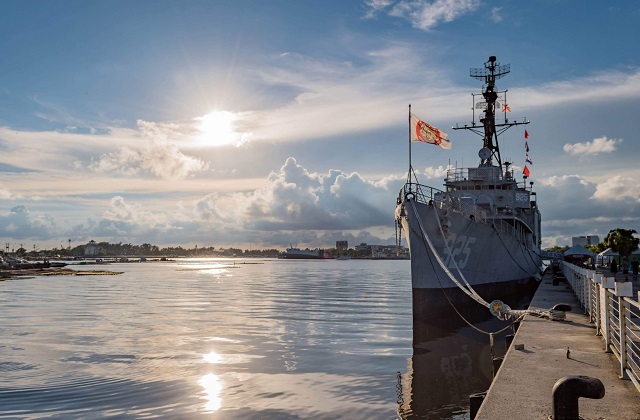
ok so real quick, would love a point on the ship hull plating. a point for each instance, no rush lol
(494, 263)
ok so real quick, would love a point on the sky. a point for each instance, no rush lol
(261, 124)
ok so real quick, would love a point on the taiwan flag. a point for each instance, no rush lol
(526, 172)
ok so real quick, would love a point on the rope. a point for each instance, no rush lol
(528, 254)
(444, 239)
(518, 314)
(473, 295)
(454, 307)
(508, 252)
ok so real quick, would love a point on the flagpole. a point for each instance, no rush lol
(409, 174)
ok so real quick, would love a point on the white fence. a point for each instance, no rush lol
(610, 305)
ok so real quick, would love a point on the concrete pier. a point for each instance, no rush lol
(523, 387)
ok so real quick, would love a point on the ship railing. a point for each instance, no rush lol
(421, 193)
(425, 194)
(611, 306)
(482, 174)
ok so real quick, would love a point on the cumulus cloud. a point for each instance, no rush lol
(295, 204)
(311, 208)
(157, 154)
(572, 206)
(590, 148)
(432, 172)
(296, 199)
(217, 207)
(618, 188)
(21, 224)
(121, 211)
(164, 161)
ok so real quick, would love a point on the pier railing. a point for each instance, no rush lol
(610, 305)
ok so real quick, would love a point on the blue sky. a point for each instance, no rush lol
(264, 123)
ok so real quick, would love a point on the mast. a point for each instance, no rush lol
(410, 165)
(489, 130)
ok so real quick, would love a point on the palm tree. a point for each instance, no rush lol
(622, 241)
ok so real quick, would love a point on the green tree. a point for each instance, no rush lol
(557, 248)
(600, 247)
(622, 241)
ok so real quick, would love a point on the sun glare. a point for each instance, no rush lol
(213, 388)
(217, 129)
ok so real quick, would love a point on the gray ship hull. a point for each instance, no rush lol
(494, 263)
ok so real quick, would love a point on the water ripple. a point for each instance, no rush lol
(178, 339)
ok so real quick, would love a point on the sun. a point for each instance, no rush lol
(218, 129)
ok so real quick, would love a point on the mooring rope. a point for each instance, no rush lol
(469, 291)
(444, 239)
(473, 295)
(509, 252)
(451, 304)
(528, 254)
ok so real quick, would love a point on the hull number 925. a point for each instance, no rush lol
(460, 247)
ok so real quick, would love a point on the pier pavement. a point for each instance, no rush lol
(522, 389)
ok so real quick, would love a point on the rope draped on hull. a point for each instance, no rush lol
(498, 308)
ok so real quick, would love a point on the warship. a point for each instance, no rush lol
(477, 238)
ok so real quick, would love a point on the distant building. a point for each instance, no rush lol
(342, 246)
(92, 249)
(585, 240)
(381, 251)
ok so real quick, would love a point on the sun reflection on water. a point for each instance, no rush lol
(212, 357)
(212, 384)
(212, 388)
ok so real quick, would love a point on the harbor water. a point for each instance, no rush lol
(233, 339)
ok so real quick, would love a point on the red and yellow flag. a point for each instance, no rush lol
(421, 131)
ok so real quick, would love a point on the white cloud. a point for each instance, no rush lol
(618, 188)
(374, 6)
(21, 224)
(572, 206)
(315, 208)
(5, 194)
(597, 146)
(295, 204)
(161, 160)
(352, 97)
(425, 15)
(221, 208)
(296, 199)
(438, 173)
(495, 14)
(596, 88)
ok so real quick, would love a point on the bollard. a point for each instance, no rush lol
(566, 392)
(475, 401)
(564, 307)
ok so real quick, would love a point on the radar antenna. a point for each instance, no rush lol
(491, 71)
